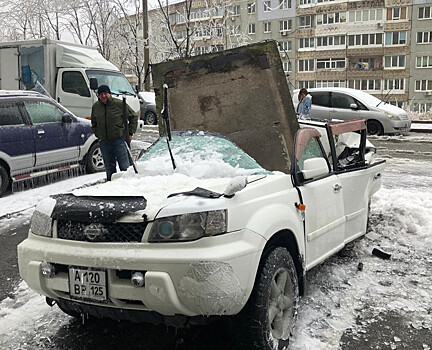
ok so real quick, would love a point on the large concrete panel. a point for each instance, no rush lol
(241, 93)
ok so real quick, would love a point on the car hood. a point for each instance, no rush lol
(387, 107)
(134, 198)
(240, 93)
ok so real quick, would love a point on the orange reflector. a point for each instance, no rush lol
(88, 118)
(301, 207)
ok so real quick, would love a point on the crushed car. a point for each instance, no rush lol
(209, 228)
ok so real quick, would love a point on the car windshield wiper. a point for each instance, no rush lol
(165, 117)
(385, 97)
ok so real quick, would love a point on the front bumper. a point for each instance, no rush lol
(210, 276)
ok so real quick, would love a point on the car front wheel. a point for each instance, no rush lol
(268, 317)
(150, 118)
(374, 127)
(94, 159)
(4, 180)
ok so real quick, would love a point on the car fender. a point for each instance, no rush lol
(87, 144)
(276, 217)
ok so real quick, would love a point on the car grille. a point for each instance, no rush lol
(95, 232)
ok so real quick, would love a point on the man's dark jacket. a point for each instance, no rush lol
(107, 120)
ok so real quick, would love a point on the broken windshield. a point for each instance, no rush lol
(202, 149)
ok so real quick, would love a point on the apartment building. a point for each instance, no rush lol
(383, 47)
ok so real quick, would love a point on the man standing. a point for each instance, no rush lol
(108, 126)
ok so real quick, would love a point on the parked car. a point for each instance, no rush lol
(349, 104)
(219, 236)
(148, 107)
(38, 136)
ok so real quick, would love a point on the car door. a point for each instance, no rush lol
(73, 92)
(320, 104)
(56, 142)
(17, 146)
(341, 104)
(322, 195)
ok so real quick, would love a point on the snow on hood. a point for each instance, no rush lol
(156, 179)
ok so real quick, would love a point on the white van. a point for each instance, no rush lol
(348, 104)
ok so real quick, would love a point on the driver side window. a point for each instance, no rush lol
(74, 83)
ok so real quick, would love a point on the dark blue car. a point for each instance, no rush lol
(38, 137)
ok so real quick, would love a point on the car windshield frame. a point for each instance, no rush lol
(205, 146)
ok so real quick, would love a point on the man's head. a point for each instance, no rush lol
(104, 93)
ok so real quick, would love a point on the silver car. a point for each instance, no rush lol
(348, 104)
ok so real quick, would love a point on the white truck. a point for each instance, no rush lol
(204, 230)
(68, 72)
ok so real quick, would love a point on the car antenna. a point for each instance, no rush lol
(384, 98)
(165, 117)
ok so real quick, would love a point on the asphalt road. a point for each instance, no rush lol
(74, 334)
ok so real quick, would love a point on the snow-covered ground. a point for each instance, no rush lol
(340, 298)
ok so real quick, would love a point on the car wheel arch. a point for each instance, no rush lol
(286, 239)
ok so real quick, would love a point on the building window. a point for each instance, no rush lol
(305, 21)
(306, 65)
(397, 61)
(283, 4)
(395, 38)
(251, 8)
(394, 84)
(308, 84)
(424, 37)
(267, 27)
(251, 28)
(422, 107)
(424, 62)
(330, 83)
(330, 18)
(287, 66)
(267, 7)
(305, 43)
(396, 13)
(365, 84)
(235, 10)
(330, 41)
(306, 2)
(285, 46)
(425, 12)
(365, 39)
(330, 63)
(423, 85)
(365, 15)
(285, 25)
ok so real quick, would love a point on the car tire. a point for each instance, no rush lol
(150, 118)
(4, 180)
(268, 318)
(374, 127)
(94, 162)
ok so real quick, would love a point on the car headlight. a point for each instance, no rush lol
(391, 116)
(189, 227)
(41, 224)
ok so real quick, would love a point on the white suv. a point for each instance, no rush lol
(348, 104)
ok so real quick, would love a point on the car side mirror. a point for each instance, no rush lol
(93, 84)
(66, 118)
(353, 106)
(314, 167)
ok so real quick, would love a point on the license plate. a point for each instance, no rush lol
(88, 284)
